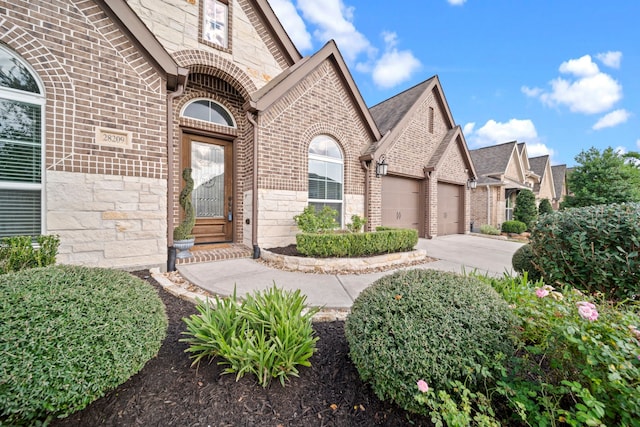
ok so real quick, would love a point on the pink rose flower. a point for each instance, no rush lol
(541, 292)
(587, 310)
(423, 386)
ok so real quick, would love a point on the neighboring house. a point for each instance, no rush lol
(503, 170)
(559, 173)
(545, 187)
(104, 102)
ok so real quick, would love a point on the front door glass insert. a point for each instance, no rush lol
(207, 163)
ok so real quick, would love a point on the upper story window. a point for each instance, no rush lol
(21, 148)
(326, 175)
(215, 22)
(208, 111)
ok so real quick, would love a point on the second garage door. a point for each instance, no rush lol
(401, 203)
(449, 209)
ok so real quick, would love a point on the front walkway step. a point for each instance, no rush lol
(216, 252)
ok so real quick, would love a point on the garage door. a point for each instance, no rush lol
(401, 203)
(449, 209)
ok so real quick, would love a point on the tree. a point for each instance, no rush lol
(602, 178)
(545, 207)
(526, 210)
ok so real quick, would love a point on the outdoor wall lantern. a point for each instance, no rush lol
(381, 167)
(472, 183)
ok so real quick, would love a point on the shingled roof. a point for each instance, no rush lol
(559, 174)
(538, 166)
(492, 160)
(388, 113)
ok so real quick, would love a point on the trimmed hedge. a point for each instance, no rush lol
(594, 248)
(68, 334)
(430, 325)
(513, 226)
(325, 245)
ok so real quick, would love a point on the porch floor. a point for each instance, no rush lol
(216, 252)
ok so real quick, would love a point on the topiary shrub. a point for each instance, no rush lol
(594, 248)
(545, 207)
(514, 227)
(523, 260)
(68, 334)
(526, 210)
(430, 325)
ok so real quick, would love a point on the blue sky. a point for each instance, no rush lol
(560, 75)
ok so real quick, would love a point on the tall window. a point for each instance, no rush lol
(326, 175)
(21, 105)
(215, 22)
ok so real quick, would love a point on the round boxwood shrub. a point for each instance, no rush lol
(430, 325)
(68, 334)
(522, 260)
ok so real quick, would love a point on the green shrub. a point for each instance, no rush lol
(526, 210)
(523, 261)
(582, 353)
(267, 335)
(514, 227)
(356, 224)
(19, 252)
(68, 334)
(489, 229)
(595, 248)
(545, 207)
(356, 244)
(314, 221)
(430, 325)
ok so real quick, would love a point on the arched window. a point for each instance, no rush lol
(21, 148)
(208, 111)
(326, 175)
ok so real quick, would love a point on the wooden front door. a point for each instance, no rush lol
(211, 161)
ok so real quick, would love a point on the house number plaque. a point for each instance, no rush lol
(113, 137)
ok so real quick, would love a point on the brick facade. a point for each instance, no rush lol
(94, 77)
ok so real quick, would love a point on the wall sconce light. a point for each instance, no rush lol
(381, 167)
(472, 183)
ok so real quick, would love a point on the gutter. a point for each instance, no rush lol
(254, 189)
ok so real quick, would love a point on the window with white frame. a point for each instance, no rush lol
(21, 148)
(326, 175)
(208, 111)
(215, 22)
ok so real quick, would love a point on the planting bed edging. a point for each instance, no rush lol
(343, 265)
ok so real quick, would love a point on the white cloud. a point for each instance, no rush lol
(456, 2)
(581, 67)
(638, 144)
(610, 59)
(612, 119)
(539, 149)
(468, 128)
(620, 150)
(334, 21)
(293, 23)
(394, 66)
(496, 133)
(589, 92)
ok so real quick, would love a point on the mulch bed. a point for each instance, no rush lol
(169, 392)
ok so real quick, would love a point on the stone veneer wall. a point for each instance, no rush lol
(276, 226)
(108, 220)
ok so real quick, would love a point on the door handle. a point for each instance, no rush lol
(230, 209)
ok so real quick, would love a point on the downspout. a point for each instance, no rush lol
(171, 260)
(488, 205)
(254, 189)
(365, 167)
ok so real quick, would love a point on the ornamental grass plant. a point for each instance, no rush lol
(68, 334)
(269, 334)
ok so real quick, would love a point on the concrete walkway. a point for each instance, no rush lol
(456, 253)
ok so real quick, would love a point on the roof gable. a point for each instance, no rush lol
(288, 79)
(493, 160)
(559, 180)
(541, 167)
(453, 137)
